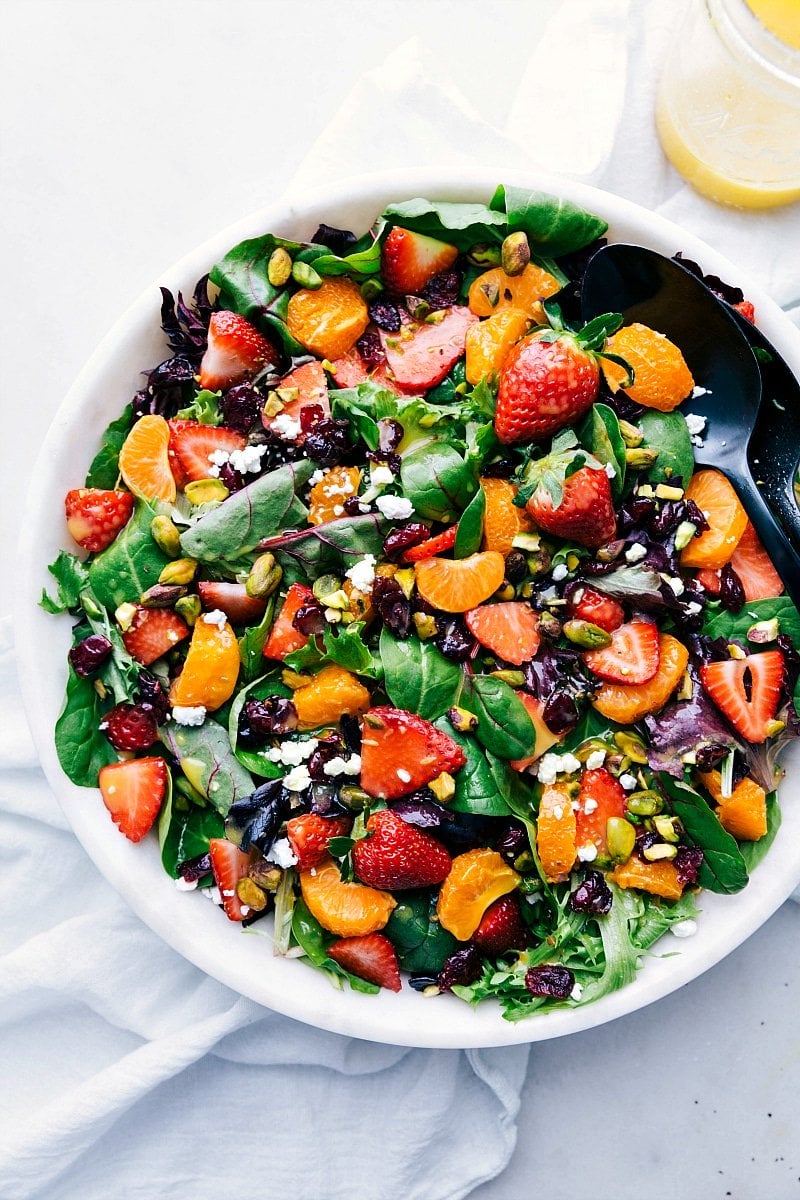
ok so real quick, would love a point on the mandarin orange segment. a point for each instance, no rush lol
(476, 879)
(211, 669)
(629, 702)
(456, 584)
(502, 520)
(744, 813)
(658, 878)
(329, 320)
(144, 460)
(488, 342)
(346, 909)
(494, 291)
(328, 495)
(714, 496)
(556, 833)
(662, 379)
(332, 694)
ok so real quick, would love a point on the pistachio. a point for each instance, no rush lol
(425, 626)
(686, 690)
(632, 435)
(406, 577)
(443, 787)
(549, 625)
(294, 680)
(124, 616)
(251, 895)
(188, 607)
(371, 288)
(764, 631)
(684, 534)
(371, 720)
(539, 562)
(736, 651)
(514, 679)
(668, 828)
(305, 276)
(162, 595)
(591, 746)
(617, 764)
(266, 874)
(526, 541)
(354, 797)
(264, 577)
(644, 804)
(287, 395)
(338, 601)
(620, 838)
(491, 291)
(180, 570)
(526, 591)
(164, 533)
(631, 745)
(462, 720)
(645, 491)
(611, 551)
(326, 585)
(515, 253)
(272, 405)
(773, 728)
(505, 591)
(666, 491)
(206, 491)
(640, 458)
(484, 256)
(586, 634)
(100, 688)
(279, 267)
(418, 308)
(660, 852)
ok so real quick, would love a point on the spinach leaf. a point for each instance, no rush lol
(260, 509)
(438, 481)
(104, 469)
(504, 726)
(312, 938)
(599, 433)
(244, 287)
(421, 941)
(334, 545)
(131, 564)
(72, 576)
(668, 433)
(754, 852)
(184, 834)
(252, 642)
(723, 868)
(81, 746)
(459, 224)
(734, 626)
(470, 526)
(445, 392)
(417, 677)
(555, 224)
(477, 789)
(208, 762)
(592, 724)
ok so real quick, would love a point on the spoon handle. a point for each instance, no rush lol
(784, 557)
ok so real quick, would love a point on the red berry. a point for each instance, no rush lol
(308, 836)
(410, 260)
(233, 600)
(284, 636)
(229, 864)
(95, 516)
(589, 605)
(421, 355)
(544, 385)
(749, 710)
(401, 752)
(154, 631)
(586, 512)
(371, 956)
(236, 350)
(395, 855)
(130, 727)
(192, 445)
(510, 630)
(501, 928)
(632, 657)
(601, 797)
(133, 792)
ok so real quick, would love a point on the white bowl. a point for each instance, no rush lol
(198, 930)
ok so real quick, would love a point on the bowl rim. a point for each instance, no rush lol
(202, 934)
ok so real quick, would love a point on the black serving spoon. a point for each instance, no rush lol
(645, 286)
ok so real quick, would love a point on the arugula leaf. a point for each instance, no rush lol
(72, 576)
(81, 746)
(417, 677)
(204, 408)
(723, 868)
(208, 762)
(312, 938)
(556, 225)
(656, 917)
(459, 224)
(438, 481)
(470, 526)
(621, 955)
(477, 789)
(104, 469)
(184, 834)
(668, 433)
(504, 726)
(131, 564)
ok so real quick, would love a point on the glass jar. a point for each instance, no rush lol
(728, 109)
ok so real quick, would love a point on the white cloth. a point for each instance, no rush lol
(127, 1066)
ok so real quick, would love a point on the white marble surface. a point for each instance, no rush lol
(130, 132)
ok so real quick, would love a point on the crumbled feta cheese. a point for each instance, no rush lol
(698, 391)
(694, 422)
(587, 853)
(247, 460)
(188, 716)
(286, 427)
(380, 476)
(684, 929)
(595, 760)
(628, 782)
(589, 805)
(403, 776)
(576, 992)
(297, 780)
(338, 509)
(215, 617)
(676, 584)
(547, 769)
(291, 754)
(394, 508)
(696, 440)
(218, 458)
(343, 766)
(560, 572)
(636, 553)
(693, 608)
(281, 854)
(213, 893)
(569, 764)
(362, 574)
(185, 885)
(317, 477)
(610, 470)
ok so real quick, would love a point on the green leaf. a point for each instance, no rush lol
(477, 789)
(252, 642)
(258, 511)
(417, 677)
(470, 526)
(131, 564)
(185, 834)
(81, 747)
(599, 433)
(104, 469)
(754, 852)
(345, 646)
(504, 726)
(551, 222)
(657, 917)
(72, 576)
(734, 626)
(335, 545)
(421, 941)
(621, 956)
(312, 938)
(461, 225)
(723, 868)
(208, 762)
(256, 761)
(438, 481)
(204, 408)
(668, 433)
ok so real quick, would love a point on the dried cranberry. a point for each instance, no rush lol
(709, 757)
(385, 315)
(309, 618)
(636, 512)
(731, 592)
(443, 289)
(91, 653)
(560, 713)
(384, 459)
(130, 727)
(392, 606)
(513, 843)
(696, 515)
(328, 443)
(269, 717)
(150, 695)
(353, 506)
(688, 862)
(370, 347)
(234, 481)
(592, 895)
(516, 566)
(390, 435)
(550, 979)
(240, 407)
(645, 840)
(310, 415)
(195, 868)
(327, 749)
(454, 640)
(351, 732)
(501, 468)
(400, 539)
(462, 967)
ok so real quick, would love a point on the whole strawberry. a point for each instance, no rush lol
(585, 512)
(394, 855)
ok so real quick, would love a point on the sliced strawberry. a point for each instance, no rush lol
(420, 355)
(747, 690)
(233, 600)
(229, 864)
(501, 928)
(601, 797)
(632, 657)
(401, 752)
(311, 385)
(546, 382)
(308, 836)
(192, 445)
(96, 516)
(410, 260)
(133, 792)
(236, 350)
(753, 566)
(350, 370)
(545, 738)
(371, 956)
(586, 512)
(510, 630)
(432, 547)
(395, 855)
(284, 638)
(746, 308)
(152, 632)
(588, 605)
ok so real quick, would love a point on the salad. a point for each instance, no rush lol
(402, 615)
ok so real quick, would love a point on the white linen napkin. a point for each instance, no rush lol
(133, 1073)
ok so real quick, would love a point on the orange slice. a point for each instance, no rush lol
(524, 291)
(714, 496)
(488, 342)
(502, 520)
(346, 909)
(329, 320)
(629, 702)
(456, 584)
(330, 695)
(556, 833)
(211, 669)
(658, 878)
(475, 881)
(327, 497)
(144, 460)
(662, 379)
